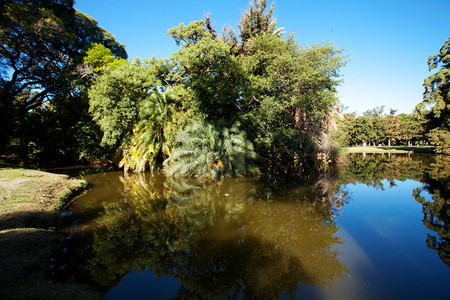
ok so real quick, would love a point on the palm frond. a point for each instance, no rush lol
(211, 151)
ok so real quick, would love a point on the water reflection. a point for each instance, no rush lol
(233, 237)
(239, 238)
(373, 169)
(436, 211)
(433, 171)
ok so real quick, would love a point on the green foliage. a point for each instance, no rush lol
(256, 20)
(392, 124)
(211, 151)
(43, 43)
(282, 93)
(276, 139)
(361, 131)
(411, 130)
(207, 67)
(115, 96)
(376, 128)
(153, 135)
(98, 57)
(300, 78)
(435, 107)
(440, 138)
(43, 103)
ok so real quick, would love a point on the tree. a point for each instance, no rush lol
(153, 135)
(289, 91)
(440, 139)
(361, 131)
(208, 69)
(437, 90)
(410, 128)
(392, 125)
(378, 131)
(281, 93)
(98, 58)
(435, 108)
(256, 21)
(115, 96)
(43, 42)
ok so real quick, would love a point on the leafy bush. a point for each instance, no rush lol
(211, 151)
(153, 134)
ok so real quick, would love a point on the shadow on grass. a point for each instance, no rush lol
(28, 219)
(25, 254)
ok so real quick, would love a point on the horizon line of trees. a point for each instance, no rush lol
(375, 128)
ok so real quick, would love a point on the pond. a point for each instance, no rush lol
(376, 227)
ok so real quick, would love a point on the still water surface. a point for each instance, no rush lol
(375, 228)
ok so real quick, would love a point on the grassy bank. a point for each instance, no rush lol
(386, 149)
(31, 198)
(30, 201)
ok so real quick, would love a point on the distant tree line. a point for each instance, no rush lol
(428, 124)
(374, 128)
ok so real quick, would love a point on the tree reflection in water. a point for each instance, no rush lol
(220, 239)
(431, 170)
(436, 212)
(243, 237)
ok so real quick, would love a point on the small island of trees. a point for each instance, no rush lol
(226, 103)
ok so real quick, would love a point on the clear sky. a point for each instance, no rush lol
(387, 42)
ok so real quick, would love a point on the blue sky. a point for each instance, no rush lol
(387, 42)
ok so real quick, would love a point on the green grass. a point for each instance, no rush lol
(29, 204)
(31, 194)
(386, 149)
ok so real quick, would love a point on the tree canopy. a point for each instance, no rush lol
(436, 98)
(43, 43)
(281, 94)
(435, 108)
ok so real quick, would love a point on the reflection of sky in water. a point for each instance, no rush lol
(384, 249)
(144, 285)
(384, 246)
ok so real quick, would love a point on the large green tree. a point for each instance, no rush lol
(436, 98)
(207, 67)
(435, 108)
(42, 46)
(282, 94)
(289, 91)
(115, 96)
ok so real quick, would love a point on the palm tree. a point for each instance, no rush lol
(211, 151)
(150, 143)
